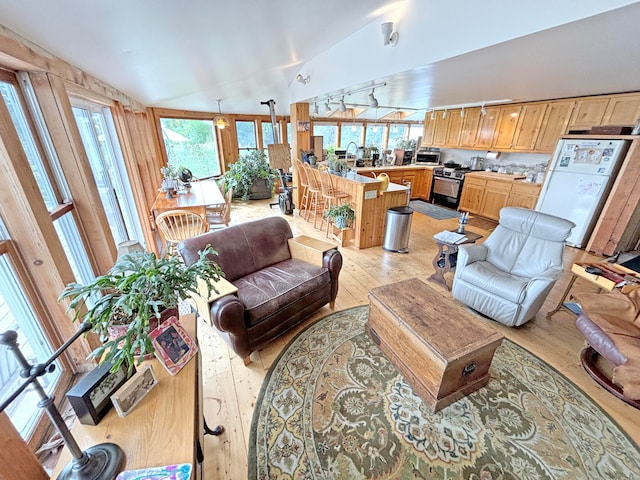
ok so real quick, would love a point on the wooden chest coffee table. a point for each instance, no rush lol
(442, 350)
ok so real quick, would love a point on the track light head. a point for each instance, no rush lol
(388, 35)
(373, 101)
(303, 80)
(343, 107)
(327, 107)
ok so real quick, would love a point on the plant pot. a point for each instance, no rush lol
(341, 222)
(260, 190)
(117, 331)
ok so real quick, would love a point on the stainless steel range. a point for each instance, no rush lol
(447, 185)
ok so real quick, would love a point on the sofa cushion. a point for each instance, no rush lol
(274, 287)
(493, 280)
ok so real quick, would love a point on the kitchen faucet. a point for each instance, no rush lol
(346, 152)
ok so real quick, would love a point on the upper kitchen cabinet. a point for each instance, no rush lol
(506, 127)
(454, 128)
(442, 124)
(622, 110)
(429, 129)
(528, 129)
(588, 112)
(554, 125)
(487, 128)
(469, 130)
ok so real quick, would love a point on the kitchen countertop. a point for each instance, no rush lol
(393, 167)
(495, 176)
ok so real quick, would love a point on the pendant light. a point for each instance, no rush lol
(220, 121)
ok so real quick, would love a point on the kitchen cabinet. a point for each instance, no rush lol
(487, 128)
(454, 128)
(429, 129)
(472, 194)
(508, 118)
(524, 194)
(419, 178)
(442, 122)
(528, 129)
(469, 129)
(496, 194)
(554, 125)
(486, 194)
(622, 110)
(588, 112)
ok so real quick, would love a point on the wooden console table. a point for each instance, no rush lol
(165, 428)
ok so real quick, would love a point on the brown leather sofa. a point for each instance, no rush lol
(610, 323)
(275, 291)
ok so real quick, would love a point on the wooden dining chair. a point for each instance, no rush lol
(221, 217)
(178, 225)
(331, 196)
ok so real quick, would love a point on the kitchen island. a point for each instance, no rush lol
(417, 177)
(370, 207)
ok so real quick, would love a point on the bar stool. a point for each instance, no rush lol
(331, 196)
(316, 201)
(303, 181)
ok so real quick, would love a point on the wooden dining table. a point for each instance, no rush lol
(197, 198)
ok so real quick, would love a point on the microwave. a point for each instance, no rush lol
(428, 157)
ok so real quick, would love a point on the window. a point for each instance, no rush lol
(191, 143)
(246, 133)
(375, 135)
(328, 132)
(16, 314)
(105, 158)
(415, 131)
(350, 132)
(397, 132)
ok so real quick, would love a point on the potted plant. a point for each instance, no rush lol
(337, 166)
(135, 295)
(251, 176)
(342, 215)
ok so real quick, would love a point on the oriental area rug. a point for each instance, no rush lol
(333, 407)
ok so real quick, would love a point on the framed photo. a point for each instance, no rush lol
(174, 347)
(90, 398)
(134, 390)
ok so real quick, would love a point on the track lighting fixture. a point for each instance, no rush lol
(462, 112)
(303, 80)
(444, 114)
(483, 111)
(315, 110)
(220, 121)
(433, 114)
(373, 101)
(343, 107)
(327, 107)
(388, 35)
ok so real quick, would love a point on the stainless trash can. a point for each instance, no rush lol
(397, 229)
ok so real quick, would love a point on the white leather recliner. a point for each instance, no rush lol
(508, 277)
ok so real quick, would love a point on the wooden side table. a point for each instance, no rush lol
(446, 251)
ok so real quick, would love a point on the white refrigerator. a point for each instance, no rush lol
(579, 179)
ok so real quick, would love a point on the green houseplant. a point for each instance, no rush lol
(251, 176)
(337, 166)
(135, 292)
(342, 215)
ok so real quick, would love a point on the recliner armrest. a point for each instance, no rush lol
(471, 253)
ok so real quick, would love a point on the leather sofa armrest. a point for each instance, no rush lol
(470, 253)
(227, 316)
(332, 260)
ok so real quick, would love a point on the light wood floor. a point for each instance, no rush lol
(231, 389)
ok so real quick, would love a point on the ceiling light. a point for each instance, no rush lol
(343, 107)
(373, 102)
(388, 35)
(462, 112)
(315, 110)
(327, 107)
(483, 110)
(433, 114)
(303, 80)
(444, 114)
(220, 121)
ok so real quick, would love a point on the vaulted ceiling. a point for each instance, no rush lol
(186, 55)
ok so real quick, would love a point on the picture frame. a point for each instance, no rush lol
(134, 390)
(173, 345)
(90, 397)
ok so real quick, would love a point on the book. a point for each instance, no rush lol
(168, 472)
(450, 237)
(174, 347)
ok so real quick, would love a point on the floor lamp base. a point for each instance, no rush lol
(100, 462)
